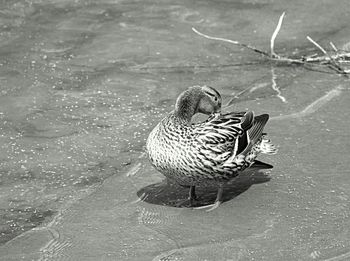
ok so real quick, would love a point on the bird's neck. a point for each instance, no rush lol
(185, 108)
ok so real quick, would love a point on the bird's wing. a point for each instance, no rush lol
(224, 136)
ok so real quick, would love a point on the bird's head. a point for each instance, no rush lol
(198, 99)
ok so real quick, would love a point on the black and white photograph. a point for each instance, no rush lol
(184, 130)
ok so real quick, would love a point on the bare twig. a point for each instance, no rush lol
(273, 37)
(340, 57)
(317, 45)
(334, 64)
(334, 47)
(332, 61)
(235, 97)
(230, 41)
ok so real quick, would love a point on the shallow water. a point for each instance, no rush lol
(83, 83)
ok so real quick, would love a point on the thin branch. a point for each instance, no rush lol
(334, 47)
(274, 35)
(340, 57)
(317, 45)
(332, 61)
(235, 97)
(230, 41)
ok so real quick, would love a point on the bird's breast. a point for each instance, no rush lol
(170, 151)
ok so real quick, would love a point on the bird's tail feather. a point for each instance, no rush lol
(260, 165)
(267, 147)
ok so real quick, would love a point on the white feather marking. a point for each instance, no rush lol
(235, 148)
(222, 157)
(267, 147)
(234, 161)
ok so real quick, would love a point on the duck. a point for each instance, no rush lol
(209, 153)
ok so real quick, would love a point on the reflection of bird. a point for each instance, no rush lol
(209, 153)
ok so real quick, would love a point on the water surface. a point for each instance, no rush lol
(83, 83)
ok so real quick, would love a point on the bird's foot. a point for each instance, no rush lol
(141, 198)
(217, 202)
(210, 207)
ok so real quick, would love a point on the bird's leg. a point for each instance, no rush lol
(218, 199)
(217, 202)
(191, 197)
(192, 193)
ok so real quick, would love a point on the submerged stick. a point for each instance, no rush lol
(314, 106)
(275, 86)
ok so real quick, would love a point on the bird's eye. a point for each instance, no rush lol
(215, 98)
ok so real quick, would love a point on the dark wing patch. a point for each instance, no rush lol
(242, 143)
(247, 120)
(255, 132)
